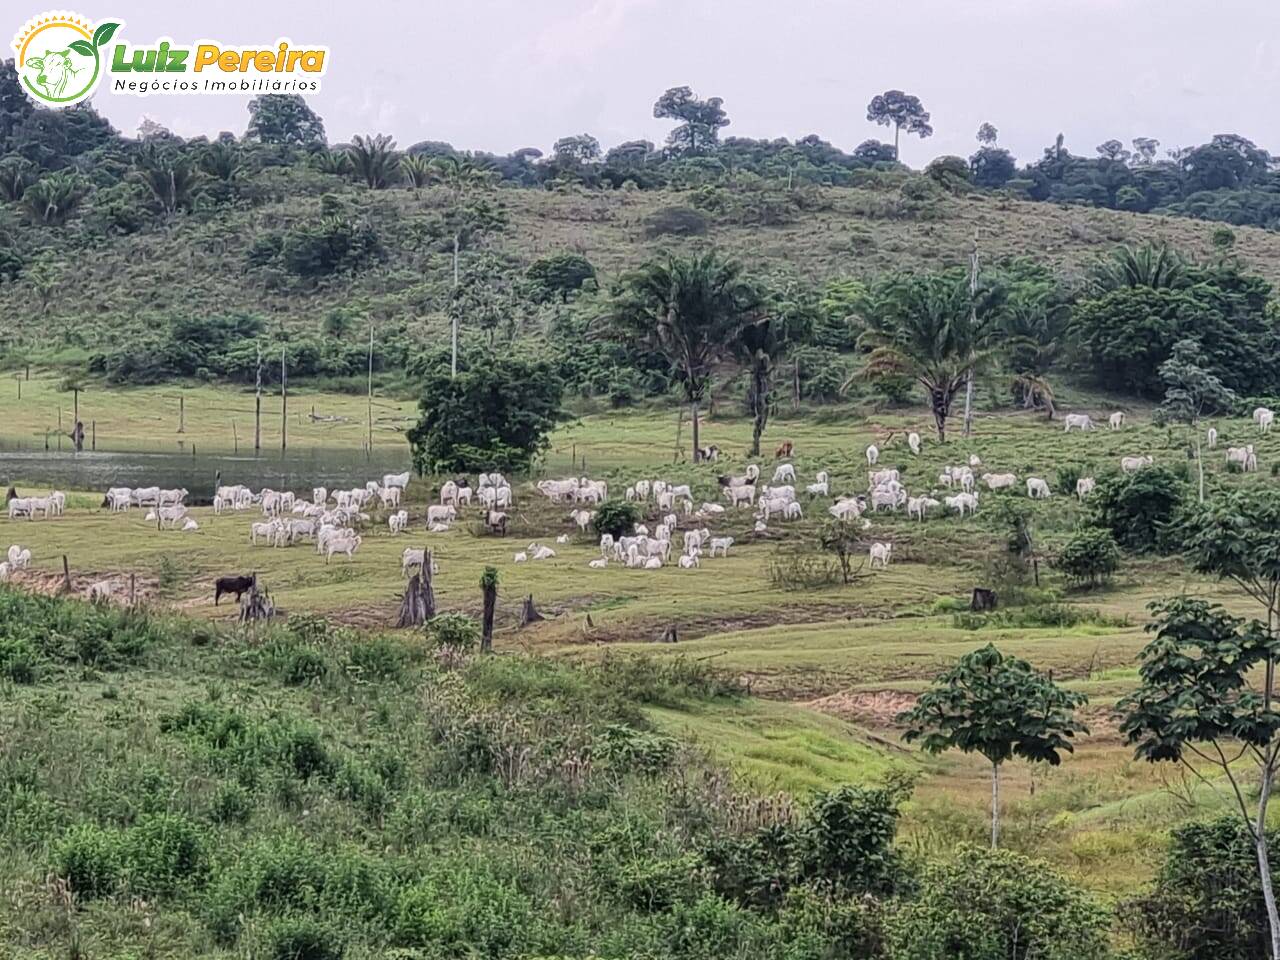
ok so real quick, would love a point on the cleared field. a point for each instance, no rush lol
(829, 666)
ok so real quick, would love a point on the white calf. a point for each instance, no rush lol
(1085, 486)
(1037, 489)
(873, 455)
(722, 544)
(880, 554)
(1134, 464)
(1116, 420)
(1081, 421)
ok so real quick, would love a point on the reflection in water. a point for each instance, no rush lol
(298, 469)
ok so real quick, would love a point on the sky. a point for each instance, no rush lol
(499, 75)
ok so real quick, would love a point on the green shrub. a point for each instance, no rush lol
(1090, 557)
(17, 660)
(294, 662)
(455, 630)
(997, 905)
(163, 853)
(464, 911)
(1206, 902)
(1139, 508)
(300, 938)
(88, 858)
(302, 748)
(617, 518)
(231, 803)
(381, 658)
(630, 750)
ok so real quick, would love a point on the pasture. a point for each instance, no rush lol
(828, 665)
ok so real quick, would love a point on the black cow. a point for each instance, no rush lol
(236, 585)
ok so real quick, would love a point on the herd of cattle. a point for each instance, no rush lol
(333, 521)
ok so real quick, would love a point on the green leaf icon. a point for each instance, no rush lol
(82, 47)
(104, 33)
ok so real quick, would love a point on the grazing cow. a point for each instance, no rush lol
(236, 585)
(1081, 421)
(396, 479)
(784, 473)
(1265, 420)
(1260, 412)
(1116, 420)
(1134, 464)
(847, 508)
(1037, 489)
(880, 554)
(445, 513)
(398, 522)
(1085, 486)
(1244, 456)
(873, 455)
(999, 481)
(709, 454)
(785, 449)
(962, 503)
(919, 506)
(346, 544)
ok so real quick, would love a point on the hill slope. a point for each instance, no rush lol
(199, 264)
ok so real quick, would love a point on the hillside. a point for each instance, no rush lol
(197, 264)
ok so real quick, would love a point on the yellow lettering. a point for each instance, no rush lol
(313, 61)
(228, 61)
(206, 54)
(264, 60)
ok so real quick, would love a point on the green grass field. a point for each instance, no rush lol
(829, 666)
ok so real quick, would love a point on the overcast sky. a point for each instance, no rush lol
(502, 74)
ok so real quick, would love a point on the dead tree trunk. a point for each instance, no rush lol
(490, 591)
(419, 602)
(256, 605)
(983, 600)
(528, 612)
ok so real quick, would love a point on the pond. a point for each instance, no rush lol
(296, 469)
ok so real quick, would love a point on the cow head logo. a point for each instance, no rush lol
(59, 57)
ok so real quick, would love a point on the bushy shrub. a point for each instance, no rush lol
(301, 938)
(295, 663)
(997, 905)
(627, 749)
(231, 803)
(381, 658)
(1090, 557)
(88, 858)
(676, 222)
(617, 518)
(464, 910)
(455, 630)
(163, 853)
(1139, 508)
(1206, 902)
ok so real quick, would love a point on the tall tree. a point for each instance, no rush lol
(577, 150)
(700, 120)
(284, 119)
(470, 213)
(788, 322)
(999, 707)
(1154, 265)
(691, 309)
(374, 159)
(934, 329)
(902, 111)
(987, 135)
(1197, 703)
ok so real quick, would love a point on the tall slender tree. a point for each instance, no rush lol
(691, 309)
(902, 111)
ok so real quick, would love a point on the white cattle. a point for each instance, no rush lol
(1244, 456)
(1134, 464)
(792, 511)
(437, 527)
(846, 509)
(784, 473)
(695, 539)
(265, 529)
(347, 545)
(445, 512)
(962, 503)
(743, 494)
(919, 506)
(390, 496)
(1265, 421)
(415, 557)
(521, 557)
(873, 455)
(449, 493)
(171, 496)
(642, 489)
(170, 515)
(582, 518)
(119, 499)
(1085, 486)
(913, 441)
(1116, 420)
(768, 506)
(400, 480)
(599, 563)
(398, 521)
(784, 492)
(190, 525)
(689, 561)
(319, 495)
(879, 478)
(710, 510)
(1037, 489)
(559, 489)
(999, 481)
(975, 460)
(1260, 412)
(19, 557)
(880, 554)
(819, 489)
(59, 501)
(538, 552)
(884, 497)
(1212, 437)
(1081, 421)
(145, 496)
(607, 544)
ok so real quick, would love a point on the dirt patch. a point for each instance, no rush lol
(112, 586)
(876, 708)
(642, 629)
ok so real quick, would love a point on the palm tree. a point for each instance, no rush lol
(691, 310)
(765, 341)
(930, 328)
(54, 197)
(373, 158)
(171, 177)
(222, 161)
(336, 162)
(1034, 328)
(417, 170)
(1150, 265)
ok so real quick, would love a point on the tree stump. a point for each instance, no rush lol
(528, 612)
(256, 605)
(489, 591)
(983, 600)
(419, 602)
(669, 635)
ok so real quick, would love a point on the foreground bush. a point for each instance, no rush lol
(997, 905)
